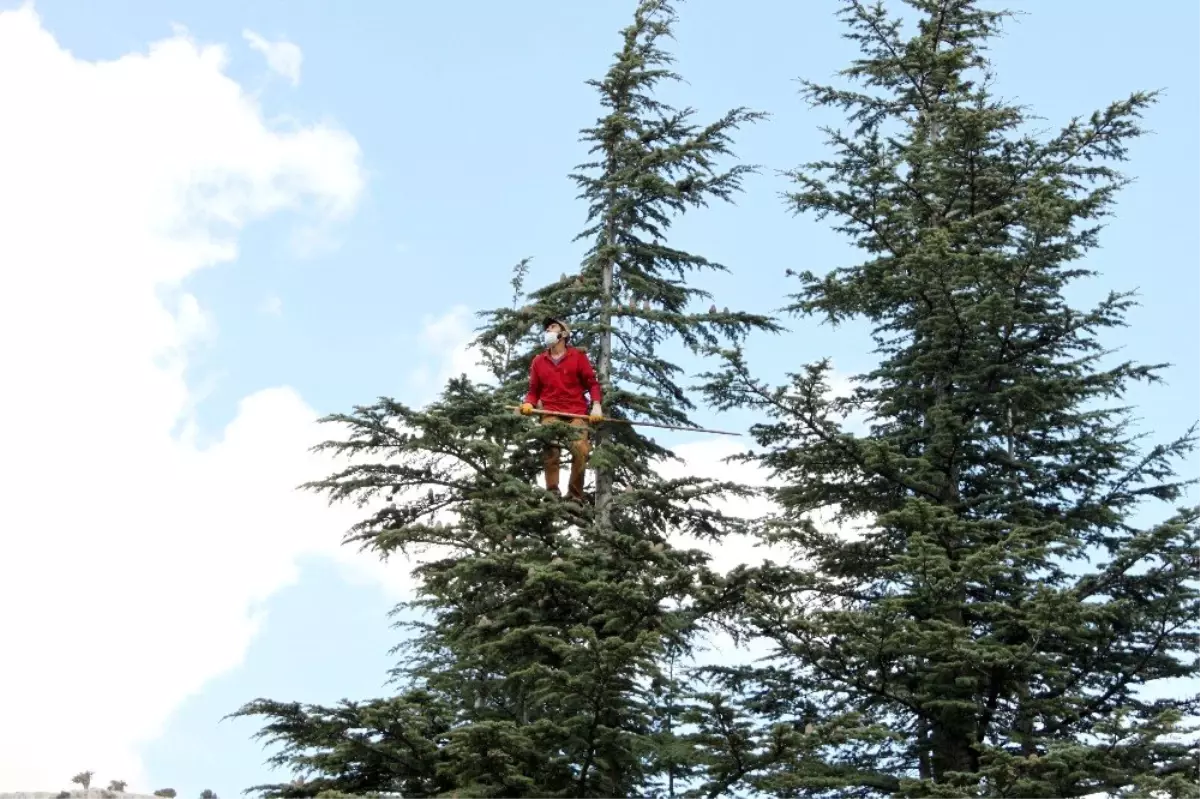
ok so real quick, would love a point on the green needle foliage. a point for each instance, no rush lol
(544, 637)
(992, 630)
(651, 162)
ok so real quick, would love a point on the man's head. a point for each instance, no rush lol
(555, 330)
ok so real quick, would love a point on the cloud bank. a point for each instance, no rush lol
(132, 562)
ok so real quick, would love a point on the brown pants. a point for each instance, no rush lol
(579, 455)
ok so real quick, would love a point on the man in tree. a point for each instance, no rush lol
(558, 380)
(542, 650)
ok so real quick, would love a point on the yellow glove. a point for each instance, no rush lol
(596, 415)
(526, 408)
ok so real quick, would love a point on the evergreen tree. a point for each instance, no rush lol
(992, 630)
(651, 163)
(542, 660)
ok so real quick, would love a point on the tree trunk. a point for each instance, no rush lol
(604, 480)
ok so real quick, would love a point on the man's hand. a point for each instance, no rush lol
(597, 413)
(527, 408)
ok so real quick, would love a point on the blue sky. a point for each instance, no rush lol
(465, 120)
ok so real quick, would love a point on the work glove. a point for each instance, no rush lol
(527, 408)
(597, 414)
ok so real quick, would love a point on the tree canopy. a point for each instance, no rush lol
(1008, 579)
(992, 629)
(539, 662)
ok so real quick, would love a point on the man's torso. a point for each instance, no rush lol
(563, 387)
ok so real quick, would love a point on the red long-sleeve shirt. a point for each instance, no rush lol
(561, 384)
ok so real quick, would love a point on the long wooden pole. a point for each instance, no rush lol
(541, 412)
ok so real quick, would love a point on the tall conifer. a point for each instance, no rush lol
(993, 630)
(541, 661)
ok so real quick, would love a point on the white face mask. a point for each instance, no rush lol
(551, 338)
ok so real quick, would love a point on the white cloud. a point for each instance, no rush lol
(132, 562)
(445, 351)
(284, 58)
(706, 458)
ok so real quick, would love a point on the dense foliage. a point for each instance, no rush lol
(539, 662)
(991, 631)
(993, 623)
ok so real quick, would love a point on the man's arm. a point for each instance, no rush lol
(535, 384)
(588, 375)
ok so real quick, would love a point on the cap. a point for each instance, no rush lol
(552, 320)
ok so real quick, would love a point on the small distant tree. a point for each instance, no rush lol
(117, 785)
(165, 793)
(63, 795)
(208, 794)
(84, 778)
